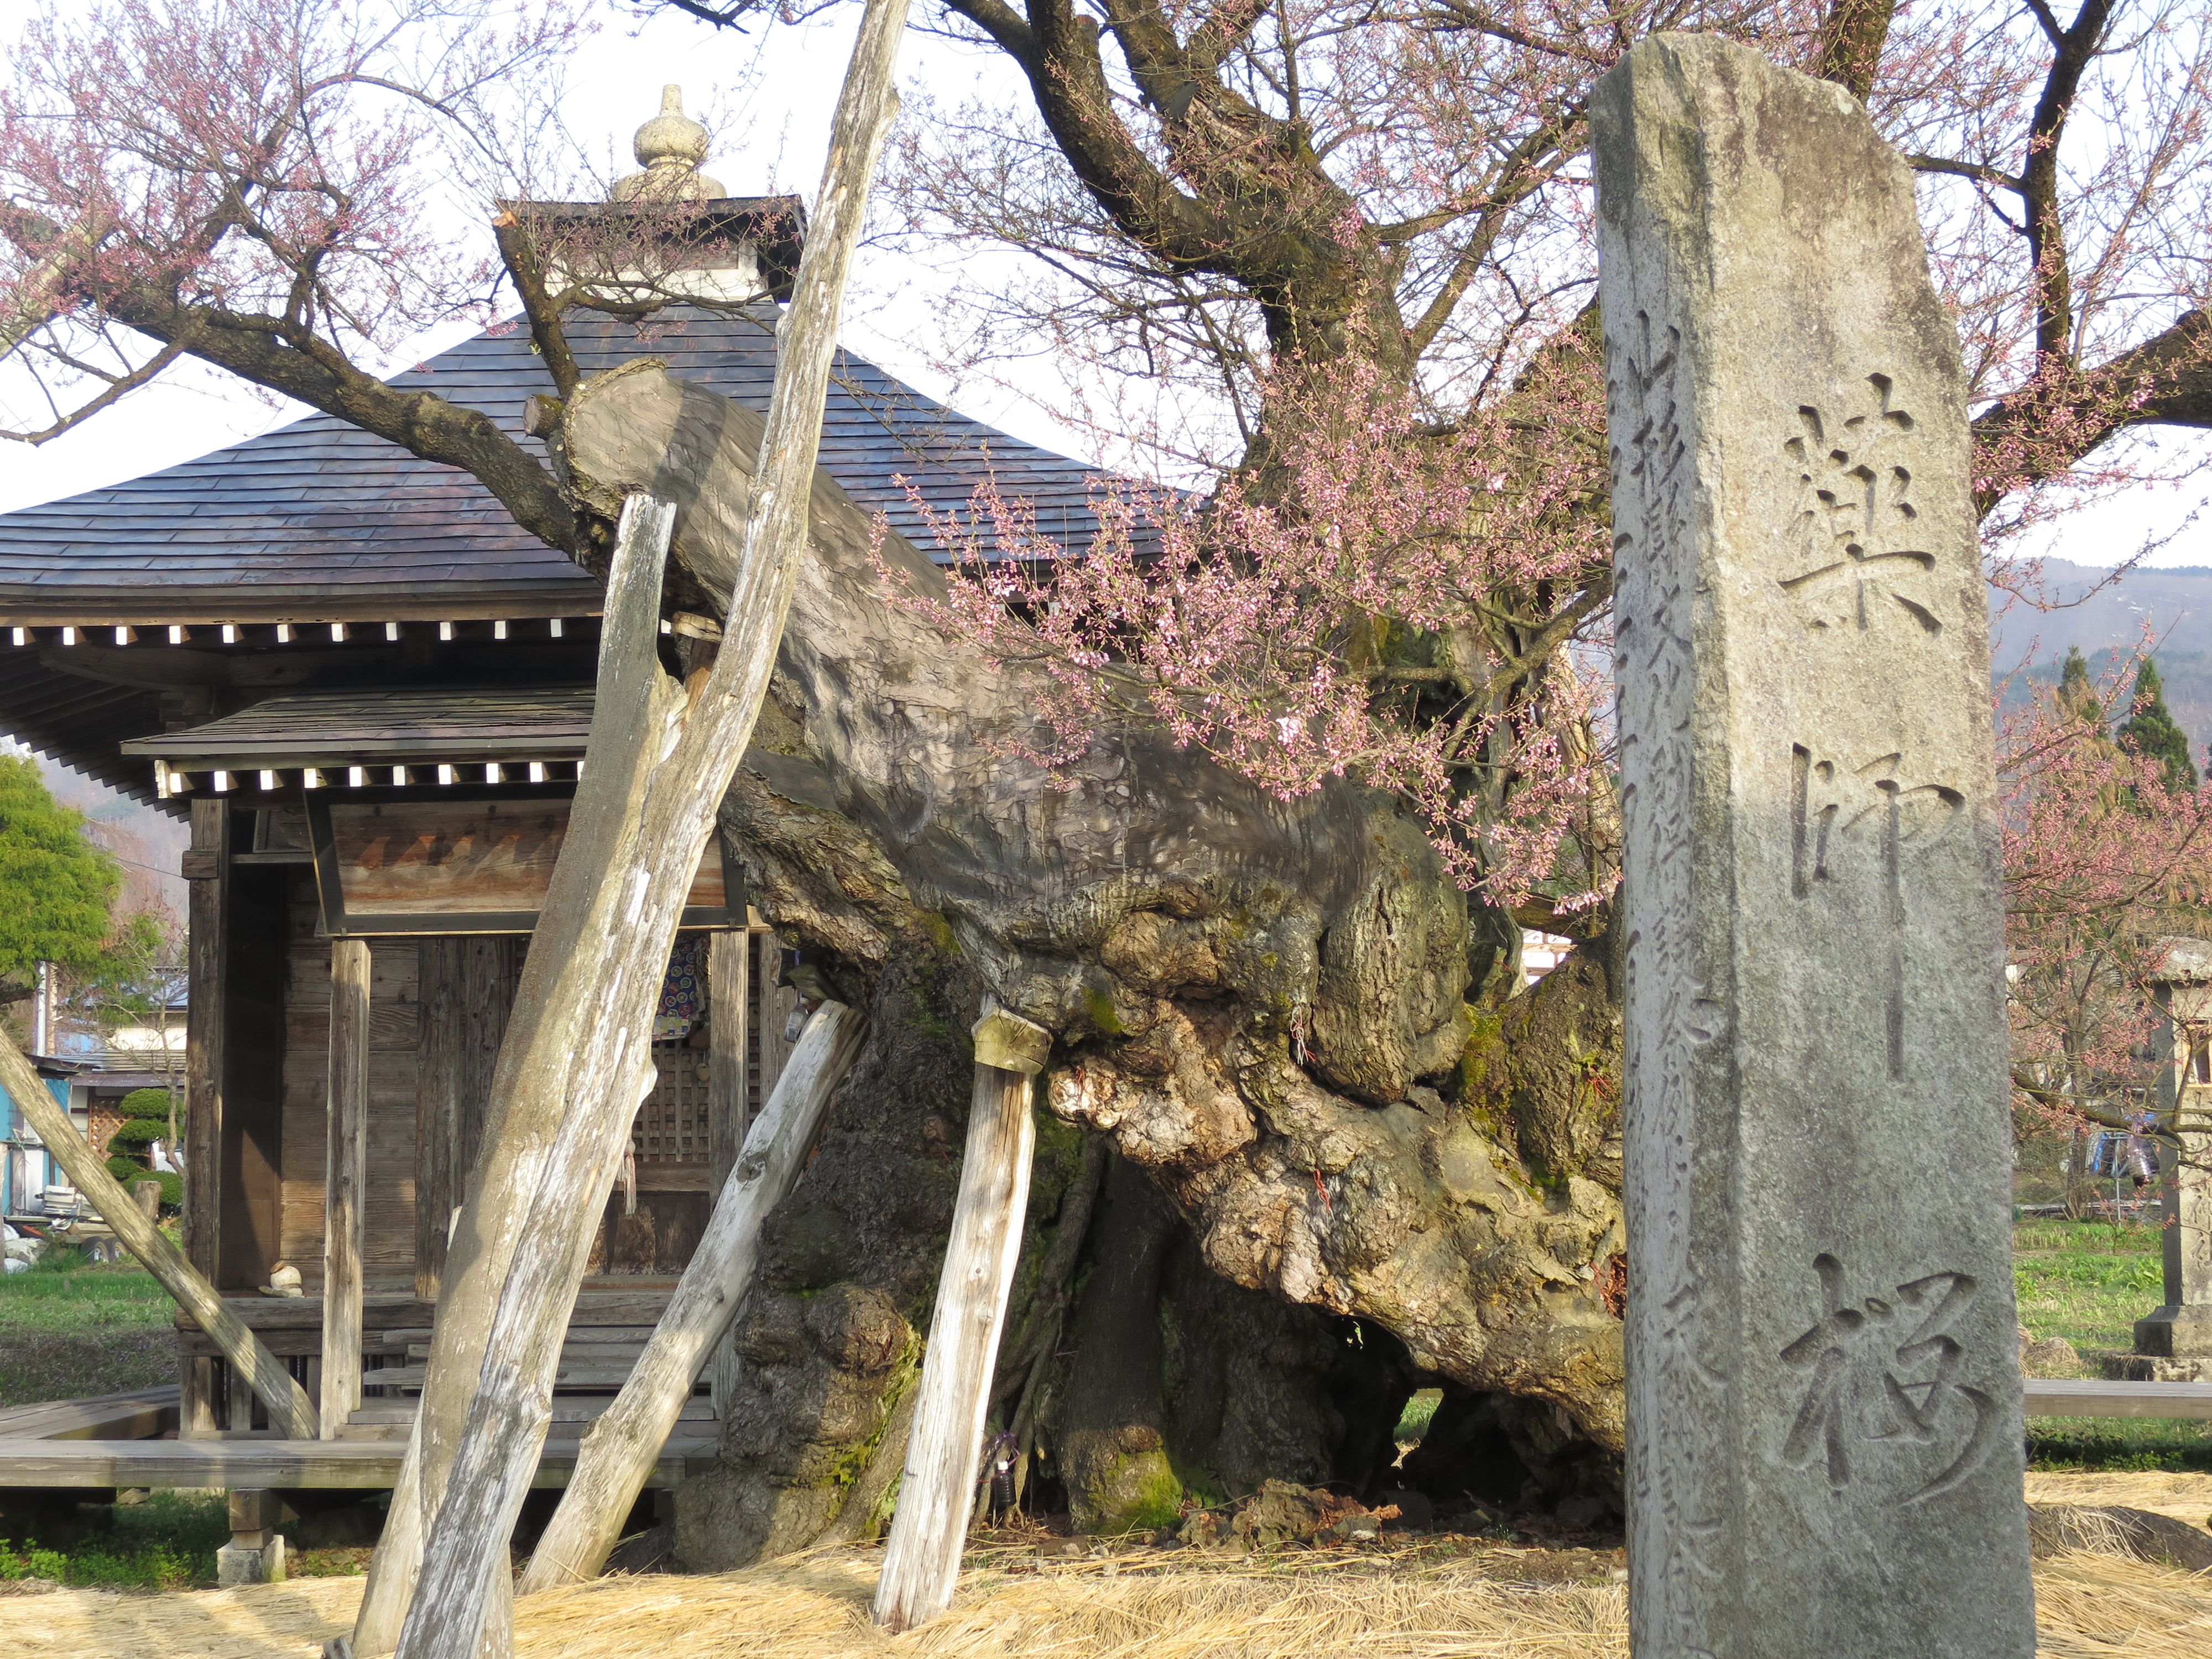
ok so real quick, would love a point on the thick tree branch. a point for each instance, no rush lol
(1223, 28)
(272, 352)
(1057, 51)
(2038, 179)
(2165, 382)
(285, 355)
(518, 247)
(1852, 36)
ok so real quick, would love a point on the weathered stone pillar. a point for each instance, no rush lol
(1824, 1401)
(2174, 1344)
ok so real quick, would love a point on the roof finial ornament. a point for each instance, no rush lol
(670, 147)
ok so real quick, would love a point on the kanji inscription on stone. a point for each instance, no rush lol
(1824, 1402)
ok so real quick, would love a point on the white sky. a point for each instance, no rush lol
(774, 98)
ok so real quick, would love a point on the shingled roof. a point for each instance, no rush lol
(469, 723)
(320, 521)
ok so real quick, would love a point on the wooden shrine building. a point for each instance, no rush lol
(368, 691)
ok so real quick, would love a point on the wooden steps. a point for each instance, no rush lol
(134, 1414)
(392, 1417)
(392, 1324)
(255, 1463)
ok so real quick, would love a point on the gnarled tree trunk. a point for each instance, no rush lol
(1261, 1003)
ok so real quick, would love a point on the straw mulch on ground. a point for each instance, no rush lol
(2185, 1496)
(1414, 1603)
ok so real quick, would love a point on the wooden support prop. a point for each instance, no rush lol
(291, 1412)
(621, 1447)
(345, 1166)
(659, 761)
(568, 1079)
(922, 1563)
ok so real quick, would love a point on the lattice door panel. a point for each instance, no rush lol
(672, 1125)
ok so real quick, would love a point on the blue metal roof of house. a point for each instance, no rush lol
(321, 520)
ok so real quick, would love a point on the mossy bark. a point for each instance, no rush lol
(1112, 1420)
(1264, 1006)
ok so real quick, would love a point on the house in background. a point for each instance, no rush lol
(28, 1174)
(367, 691)
(33, 1186)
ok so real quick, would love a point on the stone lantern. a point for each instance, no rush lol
(2174, 1344)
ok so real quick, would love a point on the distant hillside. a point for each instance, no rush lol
(2175, 604)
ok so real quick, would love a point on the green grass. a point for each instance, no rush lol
(65, 1292)
(167, 1542)
(2087, 1281)
(70, 1328)
(1420, 1411)
(2120, 1445)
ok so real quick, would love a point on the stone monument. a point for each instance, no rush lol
(1824, 1401)
(2174, 1344)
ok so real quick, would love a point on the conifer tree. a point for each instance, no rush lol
(2150, 730)
(2077, 693)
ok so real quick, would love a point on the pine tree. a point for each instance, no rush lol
(2150, 731)
(2077, 697)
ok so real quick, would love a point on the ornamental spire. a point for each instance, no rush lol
(670, 147)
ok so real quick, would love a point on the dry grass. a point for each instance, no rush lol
(2100, 1605)
(1459, 1603)
(2185, 1496)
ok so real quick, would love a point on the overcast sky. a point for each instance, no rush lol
(773, 100)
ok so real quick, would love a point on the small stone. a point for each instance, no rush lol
(1417, 1512)
(236, 1563)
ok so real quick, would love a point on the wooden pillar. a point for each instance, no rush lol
(729, 1114)
(771, 1011)
(238, 1406)
(922, 1565)
(437, 1111)
(206, 873)
(255, 1554)
(727, 992)
(345, 1164)
(487, 994)
(196, 1397)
